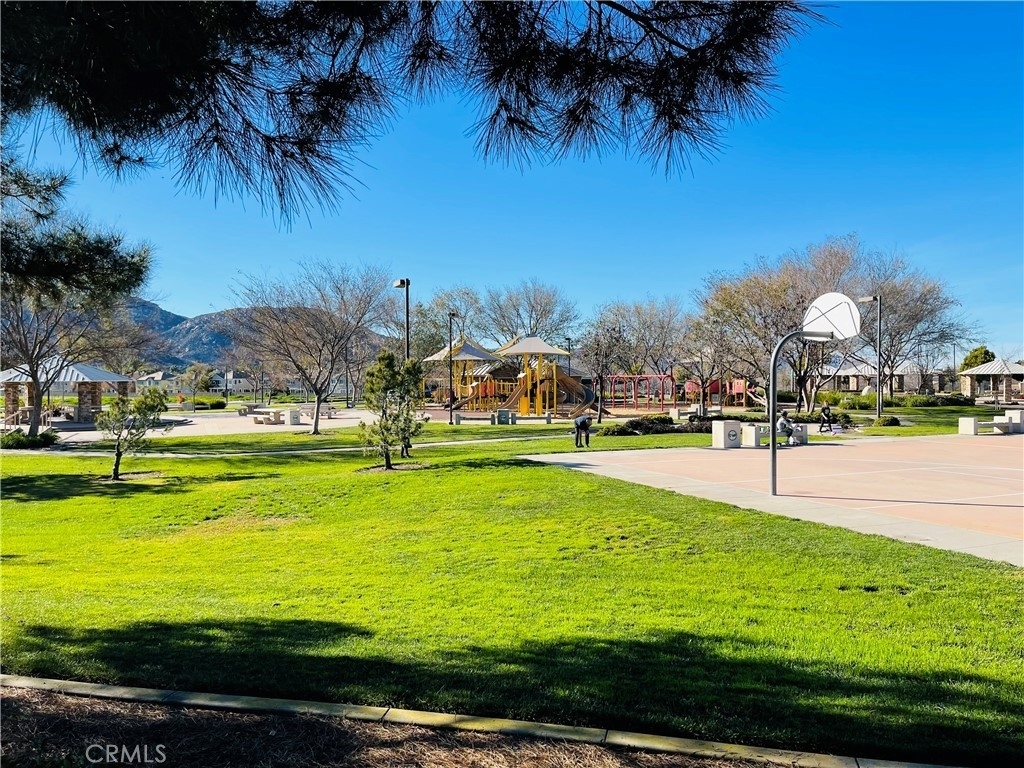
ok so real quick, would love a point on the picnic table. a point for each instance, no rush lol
(267, 416)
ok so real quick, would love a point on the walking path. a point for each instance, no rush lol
(954, 492)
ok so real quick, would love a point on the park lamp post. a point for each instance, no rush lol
(878, 347)
(404, 282)
(568, 346)
(451, 368)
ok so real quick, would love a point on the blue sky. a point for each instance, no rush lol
(903, 123)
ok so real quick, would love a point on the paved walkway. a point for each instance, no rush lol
(225, 422)
(955, 492)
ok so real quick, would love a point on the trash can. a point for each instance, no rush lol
(294, 417)
(503, 415)
(725, 434)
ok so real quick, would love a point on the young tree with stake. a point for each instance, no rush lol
(128, 421)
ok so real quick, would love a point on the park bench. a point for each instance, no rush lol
(969, 425)
(697, 411)
(753, 434)
(461, 417)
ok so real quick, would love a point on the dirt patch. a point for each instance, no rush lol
(43, 728)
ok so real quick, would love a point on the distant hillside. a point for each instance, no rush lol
(152, 315)
(188, 340)
(196, 339)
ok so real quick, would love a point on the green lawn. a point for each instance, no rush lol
(483, 583)
(940, 420)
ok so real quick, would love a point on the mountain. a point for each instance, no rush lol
(186, 340)
(195, 340)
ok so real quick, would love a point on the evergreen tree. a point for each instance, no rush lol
(392, 393)
(977, 356)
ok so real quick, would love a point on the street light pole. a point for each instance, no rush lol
(878, 347)
(404, 283)
(451, 370)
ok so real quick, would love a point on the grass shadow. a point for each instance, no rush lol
(59, 487)
(721, 688)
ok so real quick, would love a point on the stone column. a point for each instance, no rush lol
(122, 388)
(88, 398)
(12, 391)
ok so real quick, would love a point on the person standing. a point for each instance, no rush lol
(826, 419)
(583, 430)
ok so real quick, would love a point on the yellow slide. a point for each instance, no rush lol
(517, 393)
(585, 394)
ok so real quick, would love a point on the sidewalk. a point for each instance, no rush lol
(226, 422)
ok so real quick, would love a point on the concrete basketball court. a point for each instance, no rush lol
(955, 492)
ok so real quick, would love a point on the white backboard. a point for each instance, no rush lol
(833, 313)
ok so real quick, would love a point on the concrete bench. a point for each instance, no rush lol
(1015, 417)
(695, 410)
(461, 417)
(969, 425)
(257, 420)
(546, 418)
(753, 434)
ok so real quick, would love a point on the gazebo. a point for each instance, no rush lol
(89, 381)
(1005, 370)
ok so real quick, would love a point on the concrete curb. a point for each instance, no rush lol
(688, 747)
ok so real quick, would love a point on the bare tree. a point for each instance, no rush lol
(652, 328)
(430, 319)
(917, 312)
(600, 350)
(529, 307)
(122, 345)
(702, 353)
(308, 322)
(768, 300)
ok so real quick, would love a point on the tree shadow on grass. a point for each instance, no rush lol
(483, 462)
(677, 683)
(59, 487)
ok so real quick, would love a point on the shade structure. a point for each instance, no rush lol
(995, 368)
(473, 352)
(71, 373)
(531, 345)
(465, 350)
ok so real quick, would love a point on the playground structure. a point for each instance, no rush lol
(735, 392)
(656, 391)
(486, 382)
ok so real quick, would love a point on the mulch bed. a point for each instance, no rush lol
(47, 729)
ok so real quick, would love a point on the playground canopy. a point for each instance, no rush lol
(465, 350)
(531, 345)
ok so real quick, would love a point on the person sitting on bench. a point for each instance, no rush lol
(785, 427)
